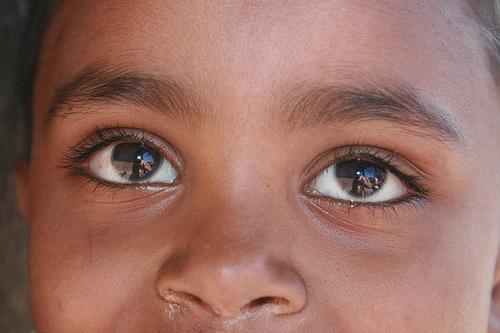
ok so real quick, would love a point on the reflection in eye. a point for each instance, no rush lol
(358, 180)
(134, 163)
(131, 163)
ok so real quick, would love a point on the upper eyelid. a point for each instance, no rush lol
(89, 145)
(78, 153)
(370, 153)
(354, 150)
(102, 138)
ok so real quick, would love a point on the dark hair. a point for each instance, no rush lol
(38, 21)
(487, 14)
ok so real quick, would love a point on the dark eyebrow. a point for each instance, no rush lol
(303, 108)
(400, 106)
(106, 85)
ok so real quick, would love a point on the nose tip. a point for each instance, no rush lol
(231, 291)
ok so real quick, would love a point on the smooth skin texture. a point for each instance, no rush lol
(240, 242)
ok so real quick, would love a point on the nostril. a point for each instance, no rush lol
(262, 301)
(230, 290)
(180, 298)
(184, 301)
(266, 301)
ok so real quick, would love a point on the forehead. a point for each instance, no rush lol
(262, 35)
(251, 49)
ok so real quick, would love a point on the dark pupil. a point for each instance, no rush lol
(134, 161)
(360, 178)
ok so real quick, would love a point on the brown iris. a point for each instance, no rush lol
(135, 162)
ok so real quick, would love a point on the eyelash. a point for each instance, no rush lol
(416, 184)
(74, 157)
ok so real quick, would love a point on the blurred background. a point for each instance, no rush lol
(15, 313)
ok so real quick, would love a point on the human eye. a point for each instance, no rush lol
(122, 157)
(366, 175)
(131, 162)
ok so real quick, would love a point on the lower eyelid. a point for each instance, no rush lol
(388, 219)
(391, 162)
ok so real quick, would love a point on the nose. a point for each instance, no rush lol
(229, 288)
(230, 259)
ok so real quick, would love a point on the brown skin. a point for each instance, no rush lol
(238, 244)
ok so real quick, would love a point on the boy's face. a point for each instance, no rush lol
(249, 103)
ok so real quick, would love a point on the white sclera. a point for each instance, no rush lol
(101, 166)
(327, 184)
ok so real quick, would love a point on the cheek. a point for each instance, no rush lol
(95, 258)
(437, 278)
(81, 272)
(90, 266)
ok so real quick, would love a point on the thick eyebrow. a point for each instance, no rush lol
(398, 105)
(310, 107)
(97, 85)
